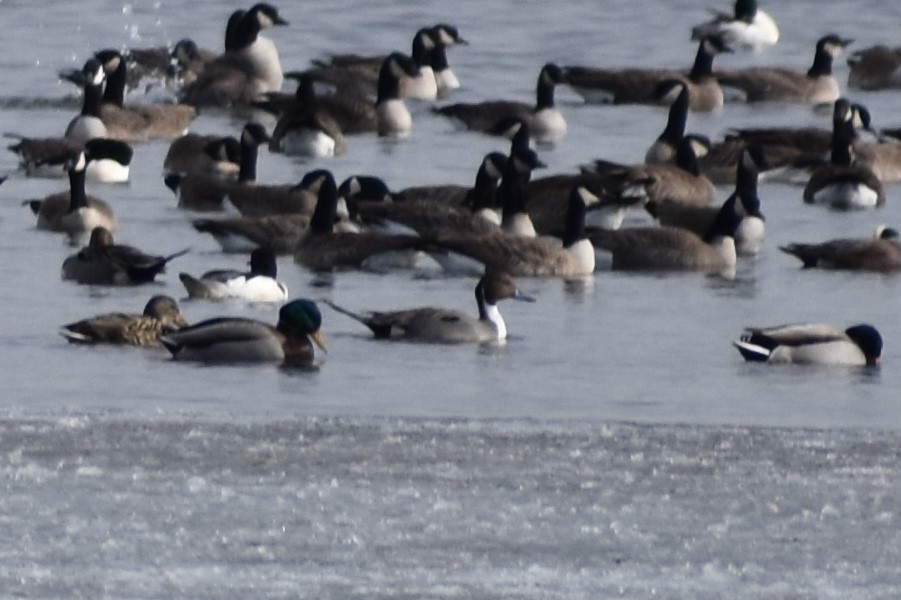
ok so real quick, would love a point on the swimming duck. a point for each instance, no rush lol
(812, 344)
(161, 315)
(773, 84)
(502, 117)
(528, 256)
(674, 248)
(845, 183)
(443, 325)
(248, 69)
(644, 86)
(229, 340)
(747, 27)
(875, 68)
(257, 285)
(74, 212)
(103, 262)
(882, 252)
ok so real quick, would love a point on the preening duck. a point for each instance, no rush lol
(812, 344)
(447, 326)
(161, 315)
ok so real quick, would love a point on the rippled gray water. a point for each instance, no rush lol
(615, 446)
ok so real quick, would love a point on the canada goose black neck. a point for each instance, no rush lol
(703, 65)
(823, 58)
(252, 136)
(575, 218)
(513, 190)
(389, 76)
(686, 159)
(438, 58)
(78, 197)
(326, 211)
(548, 79)
(677, 118)
(116, 77)
(726, 221)
(422, 48)
(842, 133)
(746, 177)
(231, 29)
(93, 99)
(306, 91)
(484, 192)
(480, 300)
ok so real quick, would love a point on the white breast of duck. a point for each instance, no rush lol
(256, 288)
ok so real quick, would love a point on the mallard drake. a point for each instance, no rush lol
(257, 285)
(812, 344)
(443, 325)
(882, 252)
(103, 262)
(227, 340)
(161, 315)
(746, 27)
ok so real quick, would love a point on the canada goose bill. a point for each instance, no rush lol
(875, 68)
(257, 285)
(161, 315)
(880, 253)
(447, 326)
(746, 27)
(812, 344)
(227, 340)
(103, 262)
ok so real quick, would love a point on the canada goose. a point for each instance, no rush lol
(487, 178)
(308, 127)
(447, 326)
(698, 219)
(46, 157)
(529, 256)
(74, 212)
(812, 344)
(643, 86)
(681, 181)
(663, 149)
(875, 68)
(844, 183)
(513, 191)
(746, 27)
(205, 154)
(444, 35)
(137, 123)
(257, 285)
(772, 84)
(394, 119)
(88, 124)
(674, 248)
(190, 60)
(172, 67)
(227, 340)
(103, 262)
(497, 117)
(882, 252)
(248, 69)
(161, 315)
(279, 233)
(321, 248)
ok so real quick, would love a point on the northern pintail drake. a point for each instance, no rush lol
(645, 86)
(875, 68)
(138, 122)
(746, 27)
(250, 66)
(674, 248)
(528, 256)
(103, 262)
(845, 183)
(231, 340)
(882, 252)
(257, 285)
(748, 235)
(322, 248)
(502, 117)
(215, 155)
(433, 325)
(812, 344)
(74, 212)
(161, 315)
(663, 149)
(681, 181)
(774, 84)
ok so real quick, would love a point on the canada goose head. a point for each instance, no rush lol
(551, 75)
(714, 44)
(301, 317)
(493, 165)
(523, 161)
(185, 52)
(111, 60)
(868, 340)
(90, 75)
(884, 232)
(263, 262)
(265, 15)
(832, 44)
(364, 187)
(447, 35)
(423, 44)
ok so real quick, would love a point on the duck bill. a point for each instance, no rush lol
(317, 338)
(523, 297)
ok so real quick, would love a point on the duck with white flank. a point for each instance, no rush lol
(812, 344)
(503, 117)
(257, 285)
(231, 340)
(774, 84)
(447, 326)
(161, 315)
(644, 86)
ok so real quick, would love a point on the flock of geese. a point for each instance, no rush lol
(506, 225)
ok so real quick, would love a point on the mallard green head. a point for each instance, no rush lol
(303, 316)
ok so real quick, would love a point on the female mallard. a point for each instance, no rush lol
(238, 340)
(812, 344)
(161, 315)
